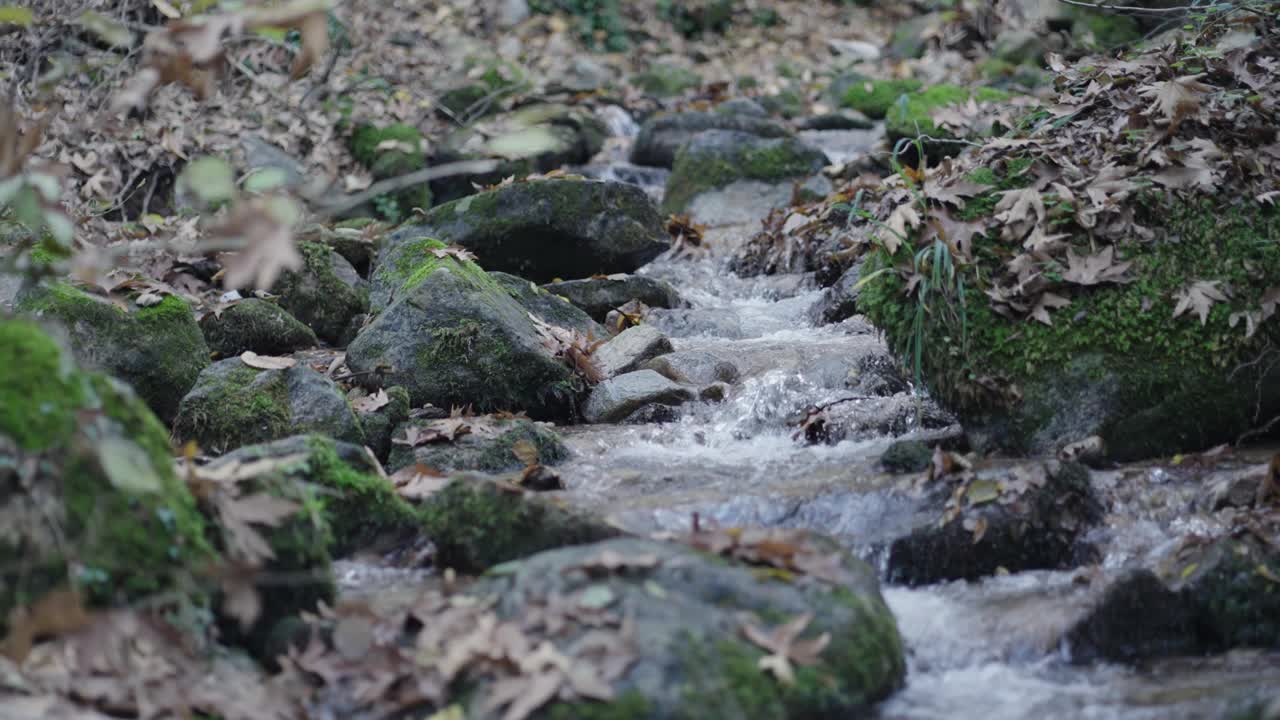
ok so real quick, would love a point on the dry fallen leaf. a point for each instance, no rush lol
(266, 362)
(371, 403)
(785, 647)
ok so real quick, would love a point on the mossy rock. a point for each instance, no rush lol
(545, 229)
(598, 296)
(381, 423)
(489, 80)
(391, 151)
(233, 404)
(299, 574)
(664, 80)
(1116, 363)
(359, 507)
(159, 350)
(554, 309)
(534, 139)
(692, 18)
(687, 612)
(911, 115)
(872, 98)
(488, 448)
(717, 158)
(1205, 598)
(907, 456)
(452, 335)
(325, 293)
(255, 325)
(91, 491)
(477, 523)
(789, 102)
(662, 136)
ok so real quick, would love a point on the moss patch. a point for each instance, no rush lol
(234, 408)
(318, 296)
(910, 114)
(666, 80)
(697, 170)
(361, 507)
(873, 98)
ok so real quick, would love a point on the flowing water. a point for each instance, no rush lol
(986, 649)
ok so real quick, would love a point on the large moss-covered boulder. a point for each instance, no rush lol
(663, 135)
(255, 325)
(550, 229)
(533, 139)
(693, 617)
(718, 158)
(359, 506)
(490, 444)
(325, 293)
(452, 335)
(233, 404)
(159, 349)
(477, 523)
(89, 491)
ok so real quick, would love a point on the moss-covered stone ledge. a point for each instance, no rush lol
(1115, 362)
(159, 350)
(102, 506)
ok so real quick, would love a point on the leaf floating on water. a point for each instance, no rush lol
(982, 491)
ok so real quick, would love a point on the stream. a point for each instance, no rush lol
(987, 649)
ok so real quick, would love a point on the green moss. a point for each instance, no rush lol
(476, 524)
(234, 410)
(42, 388)
(414, 261)
(765, 160)
(127, 541)
(366, 139)
(1105, 31)
(873, 98)
(910, 114)
(630, 705)
(1166, 366)
(362, 507)
(317, 296)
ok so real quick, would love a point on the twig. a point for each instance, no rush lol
(1132, 9)
(464, 167)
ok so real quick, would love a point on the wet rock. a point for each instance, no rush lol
(379, 423)
(1020, 517)
(359, 506)
(618, 397)
(838, 302)
(687, 610)
(1206, 597)
(548, 229)
(233, 404)
(664, 80)
(630, 349)
(742, 107)
(454, 336)
(691, 322)
(694, 367)
(1237, 488)
(846, 120)
(906, 456)
(598, 295)
(718, 158)
(87, 474)
(653, 413)
(255, 325)
(477, 523)
(550, 306)
(488, 446)
(662, 136)
(533, 139)
(159, 350)
(878, 375)
(715, 392)
(325, 294)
